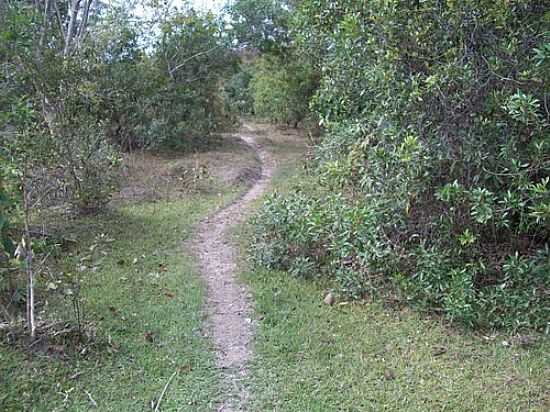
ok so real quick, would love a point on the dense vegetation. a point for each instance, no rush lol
(417, 182)
(81, 83)
(276, 80)
(431, 183)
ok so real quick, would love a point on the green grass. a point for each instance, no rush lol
(144, 299)
(313, 357)
(354, 357)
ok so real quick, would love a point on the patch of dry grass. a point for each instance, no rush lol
(170, 175)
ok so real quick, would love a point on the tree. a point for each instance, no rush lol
(261, 24)
(78, 86)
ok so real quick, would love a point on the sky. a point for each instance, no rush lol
(203, 5)
(214, 5)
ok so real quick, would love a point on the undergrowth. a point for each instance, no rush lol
(431, 183)
(368, 355)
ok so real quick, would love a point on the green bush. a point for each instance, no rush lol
(438, 138)
(238, 93)
(281, 89)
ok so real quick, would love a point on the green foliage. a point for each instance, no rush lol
(52, 109)
(437, 124)
(281, 82)
(6, 243)
(261, 24)
(76, 91)
(189, 102)
(312, 236)
(281, 89)
(238, 91)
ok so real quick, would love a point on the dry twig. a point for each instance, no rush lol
(164, 390)
(91, 399)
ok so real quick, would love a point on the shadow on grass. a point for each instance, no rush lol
(140, 299)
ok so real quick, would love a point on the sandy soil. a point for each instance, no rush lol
(228, 304)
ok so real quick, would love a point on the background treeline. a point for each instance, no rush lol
(275, 81)
(430, 185)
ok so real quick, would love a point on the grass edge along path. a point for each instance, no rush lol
(145, 299)
(364, 357)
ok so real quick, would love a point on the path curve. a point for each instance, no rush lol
(228, 307)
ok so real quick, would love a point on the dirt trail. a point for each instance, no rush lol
(228, 306)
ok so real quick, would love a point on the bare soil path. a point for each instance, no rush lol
(228, 307)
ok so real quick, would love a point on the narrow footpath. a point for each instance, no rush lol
(228, 307)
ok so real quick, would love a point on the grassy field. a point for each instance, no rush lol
(141, 298)
(142, 309)
(365, 357)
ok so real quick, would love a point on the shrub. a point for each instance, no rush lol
(281, 89)
(437, 127)
(238, 92)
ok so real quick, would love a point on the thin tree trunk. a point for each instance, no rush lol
(27, 246)
(60, 23)
(83, 23)
(71, 31)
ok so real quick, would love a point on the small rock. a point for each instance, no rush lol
(329, 299)
(389, 375)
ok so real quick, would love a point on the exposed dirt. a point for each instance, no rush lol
(228, 160)
(228, 305)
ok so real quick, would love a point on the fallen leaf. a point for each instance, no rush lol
(524, 340)
(186, 368)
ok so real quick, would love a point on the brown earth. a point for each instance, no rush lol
(228, 303)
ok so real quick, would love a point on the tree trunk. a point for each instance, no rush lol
(27, 247)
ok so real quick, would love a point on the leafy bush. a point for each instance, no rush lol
(437, 126)
(6, 205)
(281, 89)
(312, 235)
(238, 93)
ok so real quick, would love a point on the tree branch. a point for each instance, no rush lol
(84, 23)
(179, 66)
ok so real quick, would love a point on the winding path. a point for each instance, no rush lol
(228, 306)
